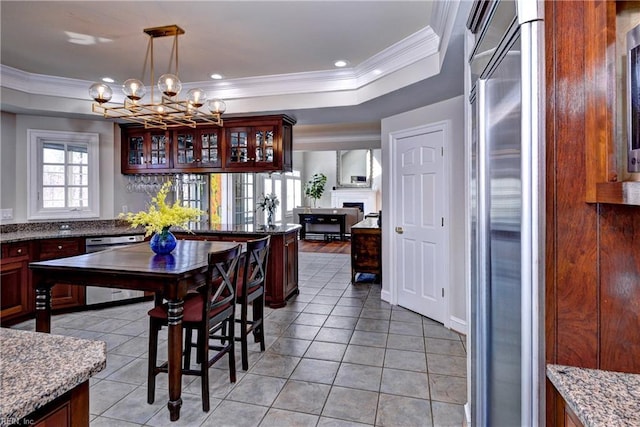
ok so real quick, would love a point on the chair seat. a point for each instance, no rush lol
(192, 311)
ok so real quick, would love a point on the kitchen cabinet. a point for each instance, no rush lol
(197, 150)
(62, 295)
(565, 417)
(260, 144)
(145, 151)
(16, 292)
(70, 409)
(366, 248)
(247, 144)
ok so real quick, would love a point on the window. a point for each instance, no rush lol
(191, 190)
(243, 202)
(63, 175)
(273, 184)
(294, 191)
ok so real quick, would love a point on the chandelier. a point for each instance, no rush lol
(169, 112)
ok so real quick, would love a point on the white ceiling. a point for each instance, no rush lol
(276, 56)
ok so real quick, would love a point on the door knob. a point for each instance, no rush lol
(399, 230)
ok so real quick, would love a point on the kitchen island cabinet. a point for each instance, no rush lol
(55, 393)
(282, 267)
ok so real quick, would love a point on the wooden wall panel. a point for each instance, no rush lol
(574, 238)
(592, 266)
(620, 288)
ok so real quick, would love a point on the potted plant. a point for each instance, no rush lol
(315, 187)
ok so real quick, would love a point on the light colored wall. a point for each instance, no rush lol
(453, 111)
(14, 145)
(8, 163)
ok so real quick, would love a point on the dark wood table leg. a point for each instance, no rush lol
(43, 308)
(174, 317)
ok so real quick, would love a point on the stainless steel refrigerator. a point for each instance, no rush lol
(507, 228)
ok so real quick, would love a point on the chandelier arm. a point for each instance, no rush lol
(174, 53)
(151, 48)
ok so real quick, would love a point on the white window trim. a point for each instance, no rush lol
(35, 138)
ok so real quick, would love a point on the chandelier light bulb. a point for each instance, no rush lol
(196, 97)
(217, 106)
(170, 85)
(100, 93)
(134, 89)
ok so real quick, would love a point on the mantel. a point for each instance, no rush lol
(363, 195)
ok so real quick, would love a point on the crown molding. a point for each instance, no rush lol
(331, 84)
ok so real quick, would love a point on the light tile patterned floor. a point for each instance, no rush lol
(336, 356)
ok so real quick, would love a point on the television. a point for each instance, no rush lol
(633, 99)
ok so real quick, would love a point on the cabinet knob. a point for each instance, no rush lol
(19, 251)
(59, 246)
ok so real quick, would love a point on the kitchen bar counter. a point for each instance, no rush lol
(36, 368)
(11, 233)
(597, 397)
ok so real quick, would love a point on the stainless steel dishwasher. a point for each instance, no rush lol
(99, 295)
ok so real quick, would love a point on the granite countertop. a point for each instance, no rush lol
(597, 397)
(37, 231)
(371, 222)
(36, 368)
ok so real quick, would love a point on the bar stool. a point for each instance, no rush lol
(213, 305)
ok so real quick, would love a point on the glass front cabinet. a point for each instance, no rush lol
(254, 147)
(247, 144)
(197, 149)
(145, 151)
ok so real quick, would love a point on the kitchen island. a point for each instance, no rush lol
(44, 378)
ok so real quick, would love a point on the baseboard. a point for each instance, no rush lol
(458, 325)
(467, 413)
(385, 296)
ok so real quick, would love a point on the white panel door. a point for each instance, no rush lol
(421, 254)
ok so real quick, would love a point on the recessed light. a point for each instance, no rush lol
(341, 63)
(108, 80)
(216, 76)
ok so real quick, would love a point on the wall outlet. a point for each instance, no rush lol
(6, 213)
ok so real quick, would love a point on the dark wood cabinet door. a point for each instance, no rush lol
(145, 151)
(197, 150)
(291, 264)
(16, 295)
(237, 147)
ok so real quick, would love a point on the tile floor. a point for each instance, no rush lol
(336, 356)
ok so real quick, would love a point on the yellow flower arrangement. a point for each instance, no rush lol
(160, 217)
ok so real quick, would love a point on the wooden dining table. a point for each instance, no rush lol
(134, 267)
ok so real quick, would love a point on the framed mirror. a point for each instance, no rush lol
(354, 168)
